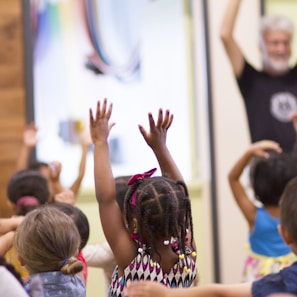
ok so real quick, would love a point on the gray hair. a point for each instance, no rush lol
(276, 22)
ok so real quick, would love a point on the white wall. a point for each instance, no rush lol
(230, 128)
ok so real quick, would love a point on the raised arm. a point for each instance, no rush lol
(6, 242)
(156, 139)
(55, 168)
(29, 143)
(110, 214)
(9, 224)
(246, 206)
(85, 145)
(7, 229)
(233, 50)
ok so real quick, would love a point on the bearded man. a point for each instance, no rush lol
(270, 94)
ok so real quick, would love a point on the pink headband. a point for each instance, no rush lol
(28, 201)
(138, 177)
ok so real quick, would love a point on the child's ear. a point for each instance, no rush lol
(134, 226)
(284, 234)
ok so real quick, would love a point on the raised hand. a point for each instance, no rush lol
(66, 196)
(260, 148)
(156, 137)
(99, 125)
(55, 168)
(30, 136)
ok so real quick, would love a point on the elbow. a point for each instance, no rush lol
(230, 177)
(225, 36)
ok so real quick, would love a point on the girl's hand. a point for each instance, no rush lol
(99, 125)
(66, 196)
(156, 137)
(260, 148)
(30, 135)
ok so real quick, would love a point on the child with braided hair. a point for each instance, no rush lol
(155, 240)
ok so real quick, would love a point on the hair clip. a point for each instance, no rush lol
(194, 254)
(65, 261)
(138, 177)
(141, 176)
(181, 256)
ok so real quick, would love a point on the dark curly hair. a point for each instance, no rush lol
(269, 176)
(163, 210)
(27, 183)
(121, 184)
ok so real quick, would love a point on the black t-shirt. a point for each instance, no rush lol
(268, 102)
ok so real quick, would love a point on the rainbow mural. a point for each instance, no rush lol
(111, 29)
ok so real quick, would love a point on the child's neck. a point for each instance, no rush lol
(274, 211)
(168, 256)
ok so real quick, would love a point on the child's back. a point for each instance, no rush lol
(158, 215)
(269, 173)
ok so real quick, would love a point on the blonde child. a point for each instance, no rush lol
(155, 239)
(82, 223)
(47, 242)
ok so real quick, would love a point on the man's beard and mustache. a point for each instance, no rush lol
(277, 65)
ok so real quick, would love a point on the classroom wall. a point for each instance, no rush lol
(231, 134)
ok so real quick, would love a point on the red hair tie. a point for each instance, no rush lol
(138, 177)
(27, 201)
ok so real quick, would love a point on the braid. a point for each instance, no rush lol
(163, 210)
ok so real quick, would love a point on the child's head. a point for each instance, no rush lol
(158, 208)
(48, 240)
(288, 210)
(121, 184)
(269, 176)
(26, 190)
(79, 218)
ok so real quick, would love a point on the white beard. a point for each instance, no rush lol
(277, 66)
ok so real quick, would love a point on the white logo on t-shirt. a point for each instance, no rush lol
(282, 104)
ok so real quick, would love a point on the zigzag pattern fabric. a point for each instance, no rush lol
(144, 268)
